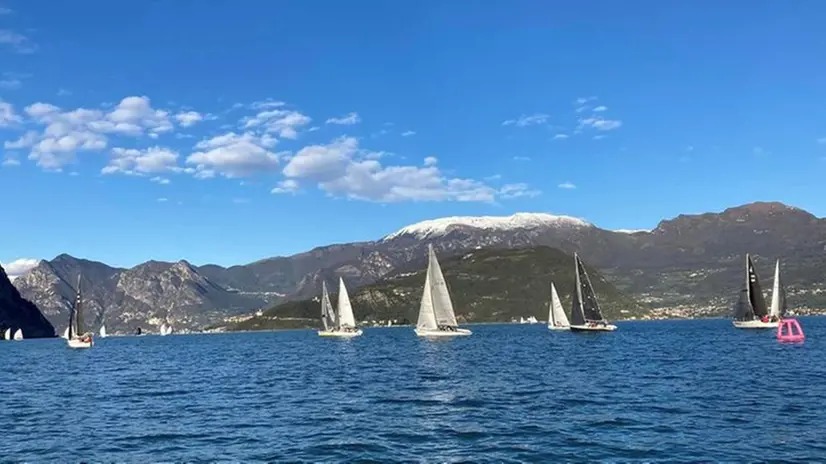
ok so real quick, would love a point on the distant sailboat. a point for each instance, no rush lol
(436, 315)
(532, 320)
(750, 311)
(166, 329)
(585, 313)
(18, 334)
(779, 306)
(343, 322)
(7, 334)
(65, 335)
(77, 337)
(557, 320)
(102, 331)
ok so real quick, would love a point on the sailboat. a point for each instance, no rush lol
(779, 305)
(77, 337)
(751, 312)
(7, 334)
(18, 334)
(343, 322)
(436, 315)
(65, 335)
(585, 313)
(557, 320)
(102, 331)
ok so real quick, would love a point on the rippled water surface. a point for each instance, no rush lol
(652, 391)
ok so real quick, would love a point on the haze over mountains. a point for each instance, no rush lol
(691, 260)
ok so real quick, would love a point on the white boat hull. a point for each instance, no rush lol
(558, 327)
(755, 324)
(442, 333)
(595, 328)
(77, 343)
(339, 333)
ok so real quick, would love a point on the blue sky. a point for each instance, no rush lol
(225, 132)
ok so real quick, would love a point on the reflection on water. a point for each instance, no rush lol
(686, 391)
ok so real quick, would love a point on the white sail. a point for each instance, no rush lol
(778, 308)
(18, 334)
(442, 306)
(103, 331)
(345, 309)
(66, 333)
(165, 329)
(427, 318)
(556, 313)
(7, 334)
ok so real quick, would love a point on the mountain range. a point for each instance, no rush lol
(18, 313)
(692, 261)
(486, 285)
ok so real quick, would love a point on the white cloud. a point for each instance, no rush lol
(160, 180)
(431, 161)
(189, 118)
(284, 123)
(521, 158)
(67, 132)
(10, 161)
(234, 155)
(286, 186)
(599, 123)
(17, 42)
(494, 177)
(342, 169)
(163, 200)
(263, 104)
(525, 120)
(19, 267)
(518, 191)
(408, 133)
(566, 185)
(26, 140)
(133, 161)
(347, 120)
(10, 84)
(560, 136)
(7, 115)
(600, 109)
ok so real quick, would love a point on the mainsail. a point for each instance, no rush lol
(328, 316)
(556, 314)
(427, 318)
(585, 305)
(779, 305)
(742, 309)
(345, 309)
(755, 292)
(75, 314)
(442, 306)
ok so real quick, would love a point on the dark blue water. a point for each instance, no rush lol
(652, 391)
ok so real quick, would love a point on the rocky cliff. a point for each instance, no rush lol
(18, 313)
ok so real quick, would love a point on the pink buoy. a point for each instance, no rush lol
(789, 330)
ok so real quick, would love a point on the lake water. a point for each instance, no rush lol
(652, 391)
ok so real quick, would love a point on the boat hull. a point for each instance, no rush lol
(79, 344)
(339, 333)
(755, 324)
(558, 327)
(442, 333)
(597, 328)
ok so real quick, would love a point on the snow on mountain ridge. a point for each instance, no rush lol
(441, 226)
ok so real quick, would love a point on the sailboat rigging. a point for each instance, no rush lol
(557, 320)
(341, 323)
(77, 337)
(750, 311)
(436, 315)
(586, 315)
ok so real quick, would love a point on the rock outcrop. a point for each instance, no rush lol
(19, 313)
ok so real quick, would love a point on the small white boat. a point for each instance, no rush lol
(102, 331)
(76, 336)
(586, 315)
(7, 334)
(341, 323)
(557, 320)
(750, 311)
(436, 315)
(18, 334)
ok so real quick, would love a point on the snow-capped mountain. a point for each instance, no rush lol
(442, 226)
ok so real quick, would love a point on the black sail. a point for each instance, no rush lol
(756, 299)
(590, 305)
(742, 309)
(577, 315)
